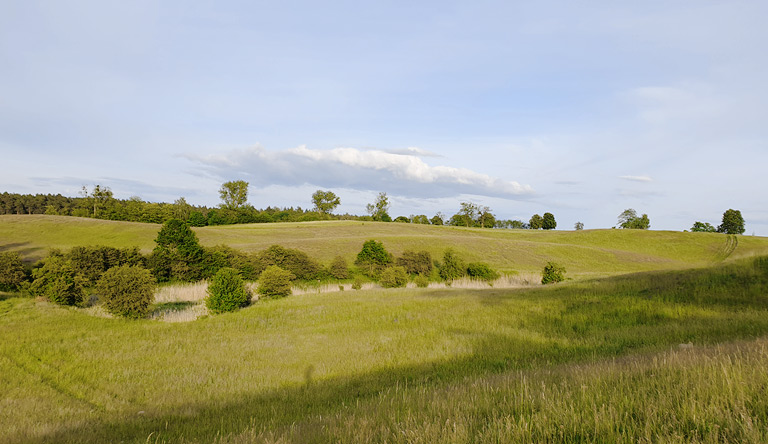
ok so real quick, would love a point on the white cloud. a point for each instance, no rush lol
(402, 174)
(637, 178)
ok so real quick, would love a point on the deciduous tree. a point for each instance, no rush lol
(325, 201)
(629, 219)
(733, 222)
(379, 210)
(234, 194)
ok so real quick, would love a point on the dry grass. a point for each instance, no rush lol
(193, 292)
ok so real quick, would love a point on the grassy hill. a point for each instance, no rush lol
(583, 253)
(587, 361)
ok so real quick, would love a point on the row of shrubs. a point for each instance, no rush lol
(125, 280)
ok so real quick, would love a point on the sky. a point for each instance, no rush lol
(581, 109)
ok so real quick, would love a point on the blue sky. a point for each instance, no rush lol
(582, 109)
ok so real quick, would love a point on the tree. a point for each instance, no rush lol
(548, 221)
(99, 197)
(227, 291)
(578, 226)
(127, 291)
(629, 219)
(419, 219)
(438, 219)
(178, 254)
(234, 194)
(416, 263)
(338, 268)
(452, 267)
(373, 256)
(733, 223)
(275, 282)
(379, 210)
(552, 273)
(325, 201)
(536, 222)
(57, 281)
(703, 227)
(12, 272)
(394, 277)
(468, 213)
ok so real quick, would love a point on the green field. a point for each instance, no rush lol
(583, 253)
(674, 354)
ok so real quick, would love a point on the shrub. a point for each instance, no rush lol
(127, 291)
(91, 262)
(452, 267)
(416, 263)
(481, 270)
(394, 277)
(12, 272)
(222, 256)
(357, 284)
(373, 257)
(275, 282)
(296, 261)
(552, 273)
(338, 268)
(178, 254)
(421, 281)
(227, 291)
(57, 281)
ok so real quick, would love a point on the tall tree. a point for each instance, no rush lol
(379, 210)
(733, 222)
(234, 194)
(548, 221)
(536, 222)
(325, 201)
(629, 219)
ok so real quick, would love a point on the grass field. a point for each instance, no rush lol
(583, 253)
(663, 356)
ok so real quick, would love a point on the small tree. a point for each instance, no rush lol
(57, 281)
(552, 273)
(732, 223)
(178, 254)
(338, 268)
(452, 267)
(703, 227)
(578, 226)
(394, 277)
(416, 263)
(629, 219)
(325, 201)
(420, 219)
(227, 291)
(536, 222)
(438, 219)
(11, 271)
(127, 291)
(548, 221)
(373, 257)
(275, 282)
(234, 194)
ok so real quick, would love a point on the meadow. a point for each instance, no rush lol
(665, 339)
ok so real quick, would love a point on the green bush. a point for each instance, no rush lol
(227, 291)
(452, 267)
(394, 277)
(338, 268)
(421, 281)
(275, 282)
(373, 258)
(178, 254)
(297, 262)
(481, 270)
(91, 262)
(552, 273)
(12, 272)
(416, 263)
(57, 281)
(357, 284)
(222, 256)
(127, 291)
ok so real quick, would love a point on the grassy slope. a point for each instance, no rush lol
(597, 252)
(405, 366)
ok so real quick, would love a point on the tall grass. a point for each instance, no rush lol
(585, 361)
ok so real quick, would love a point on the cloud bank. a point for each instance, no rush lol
(403, 173)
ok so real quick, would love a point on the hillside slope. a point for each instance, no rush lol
(588, 252)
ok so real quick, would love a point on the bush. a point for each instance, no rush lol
(481, 270)
(127, 291)
(452, 267)
(12, 272)
(357, 284)
(296, 261)
(552, 273)
(178, 254)
(338, 268)
(222, 256)
(373, 258)
(394, 277)
(91, 262)
(227, 291)
(421, 281)
(275, 282)
(57, 281)
(416, 263)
